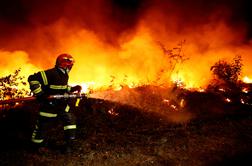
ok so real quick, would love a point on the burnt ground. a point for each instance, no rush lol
(111, 134)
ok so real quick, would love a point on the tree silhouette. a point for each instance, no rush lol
(226, 79)
(228, 72)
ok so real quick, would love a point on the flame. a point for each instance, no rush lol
(246, 79)
(245, 90)
(111, 55)
(113, 112)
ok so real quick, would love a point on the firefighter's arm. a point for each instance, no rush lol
(36, 83)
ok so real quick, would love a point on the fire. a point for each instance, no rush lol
(246, 79)
(228, 100)
(113, 112)
(87, 87)
(245, 90)
(112, 54)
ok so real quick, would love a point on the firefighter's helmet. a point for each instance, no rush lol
(65, 61)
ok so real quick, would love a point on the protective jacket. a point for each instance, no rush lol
(49, 82)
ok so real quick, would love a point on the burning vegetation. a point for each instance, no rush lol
(13, 86)
(131, 43)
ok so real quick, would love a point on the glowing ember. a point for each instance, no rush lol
(228, 100)
(113, 112)
(182, 103)
(201, 90)
(174, 107)
(166, 101)
(222, 90)
(245, 90)
(242, 101)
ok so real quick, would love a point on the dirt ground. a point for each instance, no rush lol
(112, 134)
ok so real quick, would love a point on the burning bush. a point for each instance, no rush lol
(226, 73)
(226, 81)
(10, 86)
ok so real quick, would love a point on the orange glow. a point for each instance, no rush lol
(246, 79)
(138, 58)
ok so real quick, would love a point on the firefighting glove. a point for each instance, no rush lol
(76, 88)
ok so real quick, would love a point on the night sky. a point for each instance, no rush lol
(22, 16)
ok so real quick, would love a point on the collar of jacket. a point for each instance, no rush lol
(63, 70)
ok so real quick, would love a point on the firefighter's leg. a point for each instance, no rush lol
(38, 133)
(69, 123)
(44, 118)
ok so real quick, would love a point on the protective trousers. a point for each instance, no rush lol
(49, 112)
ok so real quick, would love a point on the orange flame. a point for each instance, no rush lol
(137, 59)
(246, 79)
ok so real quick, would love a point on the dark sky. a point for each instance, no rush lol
(22, 12)
(104, 17)
(116, 16)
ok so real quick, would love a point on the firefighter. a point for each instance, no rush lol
(51, 82)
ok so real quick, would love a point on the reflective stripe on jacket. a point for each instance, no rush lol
(51, 81)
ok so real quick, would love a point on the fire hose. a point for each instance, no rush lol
(33, 98)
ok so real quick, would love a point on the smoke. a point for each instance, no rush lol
(114, 16)
(110, 19)
(118, 38)
(27, 20)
